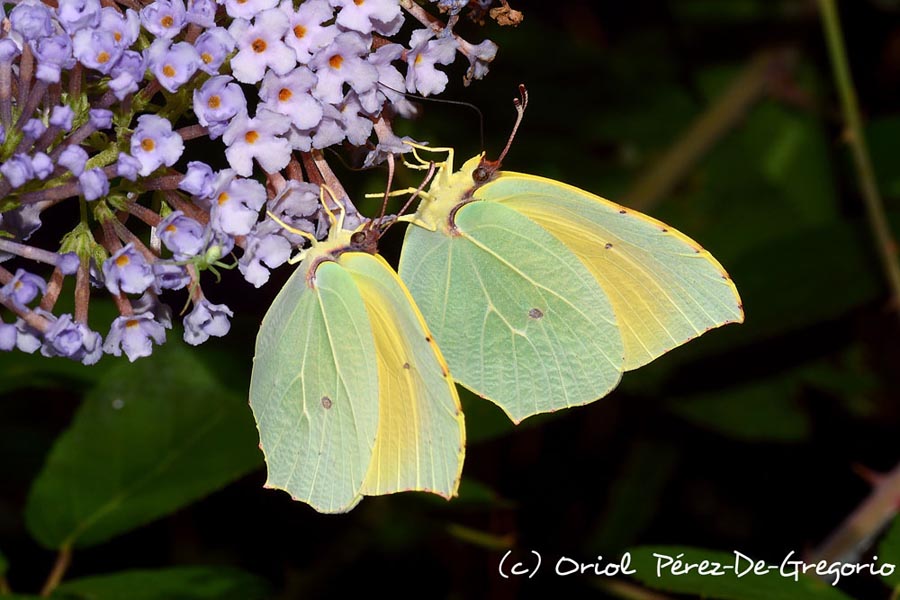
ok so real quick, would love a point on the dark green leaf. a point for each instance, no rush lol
(889, 552)
(152, 437)
(180, 583)
(763, 410)
(635, 496)
(769, 586)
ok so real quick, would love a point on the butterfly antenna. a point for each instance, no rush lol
(445, 101)
(521, 103)
(432, 169)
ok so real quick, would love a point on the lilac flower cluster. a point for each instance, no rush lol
(100, 103)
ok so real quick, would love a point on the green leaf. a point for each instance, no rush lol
(22, 371)
(889, 552)
(179, 583)
(152, 437)
(635, 495)
(769, 586)
(763, 410)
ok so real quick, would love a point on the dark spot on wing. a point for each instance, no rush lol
(608, 245)
(535, 313)
(622, 212)
(664, 230)
(405, 365)
(326, 402)
(428, 338)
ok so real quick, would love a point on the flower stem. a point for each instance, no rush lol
(63, 558)
(887, 246)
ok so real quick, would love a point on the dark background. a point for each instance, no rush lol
(749, 438)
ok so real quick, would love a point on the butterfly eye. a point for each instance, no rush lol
(358, 238)
(481, 174)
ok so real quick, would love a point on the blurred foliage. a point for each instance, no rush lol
(744, 439)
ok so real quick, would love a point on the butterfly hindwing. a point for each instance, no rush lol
(520, 319)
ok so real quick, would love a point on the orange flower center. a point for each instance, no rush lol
(148, 145)
(251, 137)
(336, 61)
(259, 45)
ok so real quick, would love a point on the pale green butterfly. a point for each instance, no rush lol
(541, 294)
(350, 393)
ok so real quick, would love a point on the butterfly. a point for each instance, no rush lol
(541, 294)
(349, 390)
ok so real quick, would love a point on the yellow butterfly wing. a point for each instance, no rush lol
(420, 442)
(664, 287)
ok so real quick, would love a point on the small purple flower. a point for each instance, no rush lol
(17, 170)
(217, 102)
(96, 49)
(78, 14)
(260, 46)
(100, 118)
(127, 271)
(135, 335)
(8, 50)
(357, 127)
(170, 276)
(8, 336)
(202, 13)
(31, 20)
(214, 45)
(23, 287)
(307, 35)
(42, 165)
(206, 320)
(154, 144)
(182, 235)
(235, 207)
(421, 75)
(365, 15)
(28, 339)
(480, 56)
(393, 82)
(33, 128)
(125, 29)
(128, 166)
(263, 252)
(290, 95)
(73, 158)
(198, 180)
(53, 54)
(68, 263)
(164, 18)
(94, 184)
(257, 138)
(341, 63)
(247, 9)
(73, 340)
(127, 73)
(173, 65)
(61, 116)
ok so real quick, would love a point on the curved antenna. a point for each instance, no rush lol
(521, 103)
(445, 101)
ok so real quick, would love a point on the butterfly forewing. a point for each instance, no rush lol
(665, 289)
(421, 436)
